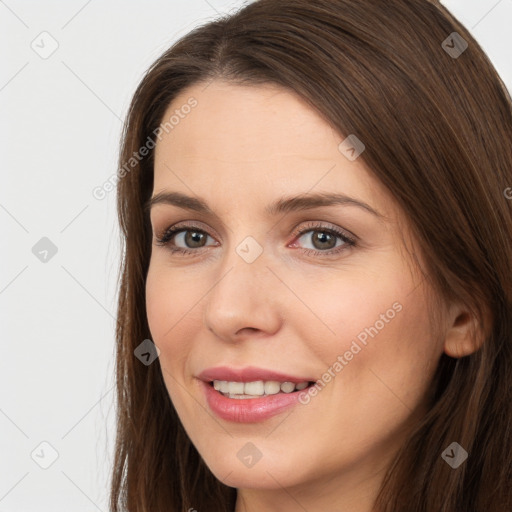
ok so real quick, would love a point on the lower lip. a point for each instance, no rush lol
(248, 410)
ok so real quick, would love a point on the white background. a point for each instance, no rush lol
(60, 121)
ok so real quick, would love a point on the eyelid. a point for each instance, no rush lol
(348, 239)
(295, 232)
(320, 225)
(185, 225)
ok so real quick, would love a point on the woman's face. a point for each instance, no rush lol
(269, 285)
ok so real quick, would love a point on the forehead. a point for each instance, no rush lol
(248, 122)
(261, 139)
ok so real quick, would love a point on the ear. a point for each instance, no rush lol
(465, 333)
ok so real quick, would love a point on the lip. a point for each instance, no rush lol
(248, 410)
(248, 374)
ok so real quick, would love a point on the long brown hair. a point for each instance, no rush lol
(436, 121)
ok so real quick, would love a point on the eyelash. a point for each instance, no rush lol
(170, 232)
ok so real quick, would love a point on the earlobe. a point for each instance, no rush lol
(465, 336)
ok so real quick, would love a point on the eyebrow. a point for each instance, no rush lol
(283, 205)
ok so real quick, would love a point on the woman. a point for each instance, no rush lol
(315, 303)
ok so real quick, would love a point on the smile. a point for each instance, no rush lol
(250, 394)
(256, 389)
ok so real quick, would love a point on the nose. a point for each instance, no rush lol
(243, 300)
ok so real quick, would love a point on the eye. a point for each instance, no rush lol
(189, 239)
(324, 239)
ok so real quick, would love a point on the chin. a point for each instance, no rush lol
(267, 473)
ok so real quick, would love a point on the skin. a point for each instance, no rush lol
(240, 149)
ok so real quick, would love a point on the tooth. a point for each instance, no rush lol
(236, 387)
(223, 386)
(287, 387)
(254, 388)
(272, 387)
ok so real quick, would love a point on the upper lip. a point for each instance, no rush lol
(248, 374)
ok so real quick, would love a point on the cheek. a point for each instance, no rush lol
(354, 307)
(374, 341)
(164, 308)
(170, 300)
(169, 310)
(174, 322)
(159, 297)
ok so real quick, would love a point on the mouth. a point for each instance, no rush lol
(251, 394)
(248, 402)
(258, 388)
